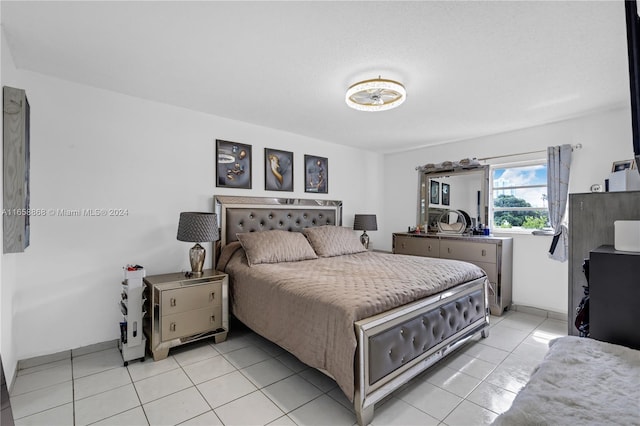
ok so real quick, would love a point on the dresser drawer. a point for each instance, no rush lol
(491, 270)
(417, 246)
(192, 322)
(478, 252)
(191, 297)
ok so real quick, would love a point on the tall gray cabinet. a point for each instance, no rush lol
(591, 218)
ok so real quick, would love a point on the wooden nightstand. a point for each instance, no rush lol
(183, 309)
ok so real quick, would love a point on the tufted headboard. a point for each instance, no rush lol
(250, 214)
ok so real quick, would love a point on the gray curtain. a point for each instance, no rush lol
(558, 166)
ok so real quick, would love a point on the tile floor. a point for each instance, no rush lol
(249, 381)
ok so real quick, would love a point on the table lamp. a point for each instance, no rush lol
(195, 227)
(364, 222)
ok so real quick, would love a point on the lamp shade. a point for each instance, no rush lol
(365, 222)
(197, 227)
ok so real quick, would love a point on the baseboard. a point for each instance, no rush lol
(23, 364)
(96, 347)
(58, 356)
(539, 312)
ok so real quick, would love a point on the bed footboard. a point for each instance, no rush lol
(395, 346)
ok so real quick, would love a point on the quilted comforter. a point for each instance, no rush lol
(309, 307)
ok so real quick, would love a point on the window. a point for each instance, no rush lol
(519, 197)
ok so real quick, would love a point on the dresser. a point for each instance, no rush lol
(185, 309)
(614, 292)
(493, 254)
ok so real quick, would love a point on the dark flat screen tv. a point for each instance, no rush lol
(633, 49)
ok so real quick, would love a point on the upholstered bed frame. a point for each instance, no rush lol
(394, 346)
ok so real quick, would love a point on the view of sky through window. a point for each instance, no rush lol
(528, 183)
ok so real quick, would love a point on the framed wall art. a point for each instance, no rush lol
(16, 182)
(435, 192)
(446, 189)
(622, 165)
(278, 170)
(233, 165)
(316, 174)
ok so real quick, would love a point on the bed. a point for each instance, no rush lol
(371, 321)
(580, 381)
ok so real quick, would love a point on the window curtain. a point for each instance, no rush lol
(558, 166)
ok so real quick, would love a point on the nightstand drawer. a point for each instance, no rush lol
(192, 322)
(191, 297)
(479, 252)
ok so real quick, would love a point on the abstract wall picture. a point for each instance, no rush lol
(316, 174)
(233, 165)
(446, 194)
(435, 192)
(278, 170)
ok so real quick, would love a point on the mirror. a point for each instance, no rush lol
(453, 222)
(464, 190)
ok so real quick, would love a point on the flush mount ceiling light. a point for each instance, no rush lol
(375, 95)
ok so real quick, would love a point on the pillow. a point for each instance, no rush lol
(329, 240)
(225, 255)
(275, 246)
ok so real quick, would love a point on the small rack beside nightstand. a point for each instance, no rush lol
(185, 309)
(132, 305)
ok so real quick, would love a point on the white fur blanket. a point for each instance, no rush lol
(580, 382)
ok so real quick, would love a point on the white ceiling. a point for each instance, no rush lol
(470, 68)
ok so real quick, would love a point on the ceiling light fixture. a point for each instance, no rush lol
(375, 95)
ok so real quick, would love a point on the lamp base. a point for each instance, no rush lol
(364, 239)
(197, 254)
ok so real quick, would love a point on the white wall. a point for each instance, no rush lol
(94, 149)
(537, 281)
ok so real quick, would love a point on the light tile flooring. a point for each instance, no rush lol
(249, 381)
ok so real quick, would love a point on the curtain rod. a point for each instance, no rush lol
(573, 148)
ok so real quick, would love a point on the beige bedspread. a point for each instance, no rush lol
(309, 307)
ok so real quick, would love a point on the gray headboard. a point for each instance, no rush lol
(250, 214)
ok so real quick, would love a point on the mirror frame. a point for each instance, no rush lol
(423, 196)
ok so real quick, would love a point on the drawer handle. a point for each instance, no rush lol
(213, 296)
(428, 248)
(173, 301)
(172, 326)
(484, 252)
(448, 249)
(213, 319)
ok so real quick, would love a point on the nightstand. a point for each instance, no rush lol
(185, 309)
